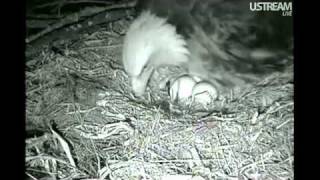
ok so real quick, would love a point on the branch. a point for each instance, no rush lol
(71, 2)
(73, 18)
(39, 23)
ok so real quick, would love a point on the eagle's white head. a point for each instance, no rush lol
(219, 45)
(149, 43)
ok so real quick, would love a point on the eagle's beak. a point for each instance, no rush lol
(139, 83)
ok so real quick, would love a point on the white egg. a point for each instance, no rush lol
(181, 89)
(204, 93)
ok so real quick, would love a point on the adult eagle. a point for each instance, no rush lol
(221, 41)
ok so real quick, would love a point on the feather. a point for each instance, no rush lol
(219, 41)
(151, 42)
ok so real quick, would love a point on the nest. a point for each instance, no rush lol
(84, 123)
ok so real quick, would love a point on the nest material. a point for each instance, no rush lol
(101, 131)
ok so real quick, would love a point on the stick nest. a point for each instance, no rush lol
(84, 123)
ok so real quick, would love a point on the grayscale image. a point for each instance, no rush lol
(159, 90)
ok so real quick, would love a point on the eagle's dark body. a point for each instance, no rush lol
(226, 43)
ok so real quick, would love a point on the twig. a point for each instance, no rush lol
(73, 18)
(88, 1)
(32, 177)
(65, 147)
(38, 23)
(47, 157)
(46, 5)
(101, 47)
(43, 16)
(70, 2)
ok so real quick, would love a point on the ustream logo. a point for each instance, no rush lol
(285, 7)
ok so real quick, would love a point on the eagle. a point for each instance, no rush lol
(221, 41)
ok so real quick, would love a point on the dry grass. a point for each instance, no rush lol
(83, 123)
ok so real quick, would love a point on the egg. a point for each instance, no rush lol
(181, 89)
(204, 93)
